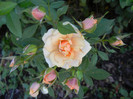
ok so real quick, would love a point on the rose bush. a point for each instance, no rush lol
(40, 38)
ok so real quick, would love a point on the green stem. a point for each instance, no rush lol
(73, 72)
(50, 20)
(104, 46)
(20, 74)
(82, 30)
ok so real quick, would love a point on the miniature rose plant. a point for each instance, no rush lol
(50, 48)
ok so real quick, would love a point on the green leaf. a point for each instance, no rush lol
(29, 31)
(51, 92)
(108, 1)
(34, 41)
(15, 41)
(83, 3)
(132, 8)
(53, 14)
(104, 27)
(5, 73)
(88, 80)
(57, 4)
(38, 61)
(127, 98)
(1, 84)
(96, 1)
(25, 3)
(94, 59)
(84, 65)
(6, 7)
(103, 55)
(2, 20)
(79, 74)
(63, 75)
(93, 40)
(131, 94)
(123, 92)
(111, 50)
(124, 3)
(39, 3)
(43, 30)
(65, 29)
(13, 23)
(31, 71)
(80, 93)
(98, 74)
(62, 10)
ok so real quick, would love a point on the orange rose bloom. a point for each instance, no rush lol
(64, 50)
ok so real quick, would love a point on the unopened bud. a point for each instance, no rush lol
(89, 24)
(38, 13)
(34, 89)
(30, 50)
(49, 76)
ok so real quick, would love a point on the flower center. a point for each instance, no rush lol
(65, 47)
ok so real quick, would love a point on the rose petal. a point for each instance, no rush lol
(57, 58)
(46, 55)
(86, 48)
(68, 64)
(77, 43)
(48, 34)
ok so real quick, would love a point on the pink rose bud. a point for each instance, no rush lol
(37, 14)
(49, 77)
(15, 62)
(34, 89)
(73, 84)
(88, 23)
(118, 42)
(12, 62)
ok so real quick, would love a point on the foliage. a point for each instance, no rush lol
(23, 41)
